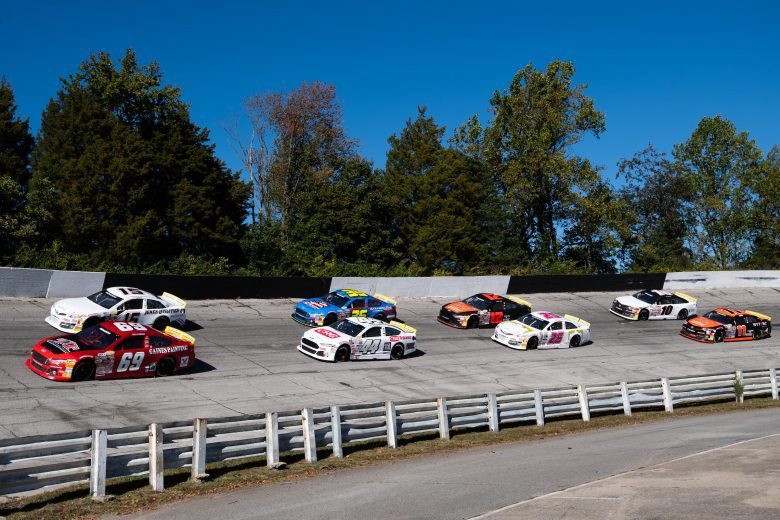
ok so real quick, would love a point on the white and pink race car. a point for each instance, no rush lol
(543, 330)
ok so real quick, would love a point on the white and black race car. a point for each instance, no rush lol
(117, 304)
(654, 304)
(359, 338)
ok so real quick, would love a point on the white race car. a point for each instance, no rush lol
(117, 304)
(542, 330)
(653, 304)
(359, 338)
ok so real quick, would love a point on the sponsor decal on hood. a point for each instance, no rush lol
(78, 306)
(316, 305)
(704, 323)
(460, 307)
(61, 345)
(632, 302)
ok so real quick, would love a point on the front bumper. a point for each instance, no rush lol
(309, 322)
(322, 355)
(63, 325)
(697, 334)
(451, 320)
(624, 311)
(512, 342)
(52, 373)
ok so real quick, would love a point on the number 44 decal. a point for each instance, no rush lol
(130, 361)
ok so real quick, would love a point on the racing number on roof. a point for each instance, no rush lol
(128, 327)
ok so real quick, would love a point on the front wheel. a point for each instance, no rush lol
(532, 343)
(330, 319)
(644, 314)
(83, 371)
(397, 352)
(472, 323)
(683, 314)
(719, 335)
(91, 322)
(342, 354)
(165, 367)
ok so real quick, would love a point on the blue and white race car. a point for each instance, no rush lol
(344, 303)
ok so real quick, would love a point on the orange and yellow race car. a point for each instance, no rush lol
(482, 310)
(726, 324)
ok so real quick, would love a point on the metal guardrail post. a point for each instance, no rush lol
(156, 463)
(444, 420)
(309, 442)
(626, 398)
(392, 424)
(773, 383)
(199, 431)
(539, 407)
(492, 408)
(271, 439)
(335, 431)
(740, 398)
(667, 391)
(97, 469)
(582, 395)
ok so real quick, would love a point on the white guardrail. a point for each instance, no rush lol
(42, 462)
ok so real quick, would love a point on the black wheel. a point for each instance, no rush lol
(380, 317)
(473, 323)
(719, 335)
(91, 322)
(330, 319)
(83, 371)
(683, 314)
(574, 342)
(532, 343)
(342, 354)
(644, 314)
(161, 322)
(165, 367)
(397, 352)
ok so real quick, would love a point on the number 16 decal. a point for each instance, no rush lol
(130, 361)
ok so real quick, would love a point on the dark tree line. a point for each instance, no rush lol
(120, 178)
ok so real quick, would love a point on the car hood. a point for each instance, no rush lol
(704, 323)
(632, 302)
(516, 328)
(326, 336)
(78, 306)
(460, 307)
(316, 305)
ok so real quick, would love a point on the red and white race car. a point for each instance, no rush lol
(115, 350)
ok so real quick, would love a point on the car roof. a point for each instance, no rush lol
(365, 321)
(117, 291)
(731, 313)
(491, 296)
(352, 293)
(544, 315)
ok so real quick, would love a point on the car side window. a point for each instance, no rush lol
(570, 325)
(373, 332)
(392, 331)
(358, 304)
(374, 303)
(664, 300)
(132, 305)
(556, 326)
(677, 299)
(498, 306)
(132, 343)
(749, 320)
(510, 306)
(154, 304)
(157, 341)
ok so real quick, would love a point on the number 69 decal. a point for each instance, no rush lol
(127, 327)
(130, 361)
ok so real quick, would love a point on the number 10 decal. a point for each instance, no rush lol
(130, 361)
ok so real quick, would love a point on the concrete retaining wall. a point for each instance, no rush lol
(30, 283)
(721, 279)
(454, 286)
(72, 284)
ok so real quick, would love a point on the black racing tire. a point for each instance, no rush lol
(90, 322)
(165, 367)
(473, 323)
(719, 336)
(574, 342)
(683, 314)
(380, 317)
(342, 354)
(161, 322)
(83, 371)
(644, 314)
(768, 330)
(397, 352)
(330, 319)
(532, 344)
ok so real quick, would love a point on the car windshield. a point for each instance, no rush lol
(646, 296)
(477, 301)
(335, 299)
(348, 328)
(533, 321)
(95, 338)
(720, 318)
(104, 299)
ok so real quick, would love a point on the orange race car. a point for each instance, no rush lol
(726, 324)
(483, 310)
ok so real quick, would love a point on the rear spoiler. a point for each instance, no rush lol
(759, 315)
(575, 319)
(173, 299)
(179, 334)
(385, 298)
(404, 327)
(687, 297)
(520, 301)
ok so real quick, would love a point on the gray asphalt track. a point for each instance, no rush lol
(248, 362)
(731, 481)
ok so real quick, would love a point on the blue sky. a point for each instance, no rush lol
(655, 69)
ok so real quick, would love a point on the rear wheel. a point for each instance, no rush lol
(683, 314)
(165, 367)
(719, 335)
(380, 317)
(532, 343)
(342, 354)
(574, 342)
(83, 371)
(397, 352)
(644, 314)
(330, 319)
(161, 322)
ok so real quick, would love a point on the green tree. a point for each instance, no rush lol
(655, 195)
(135, 181)
(528, 147)
(766, 213)
(718, 163)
